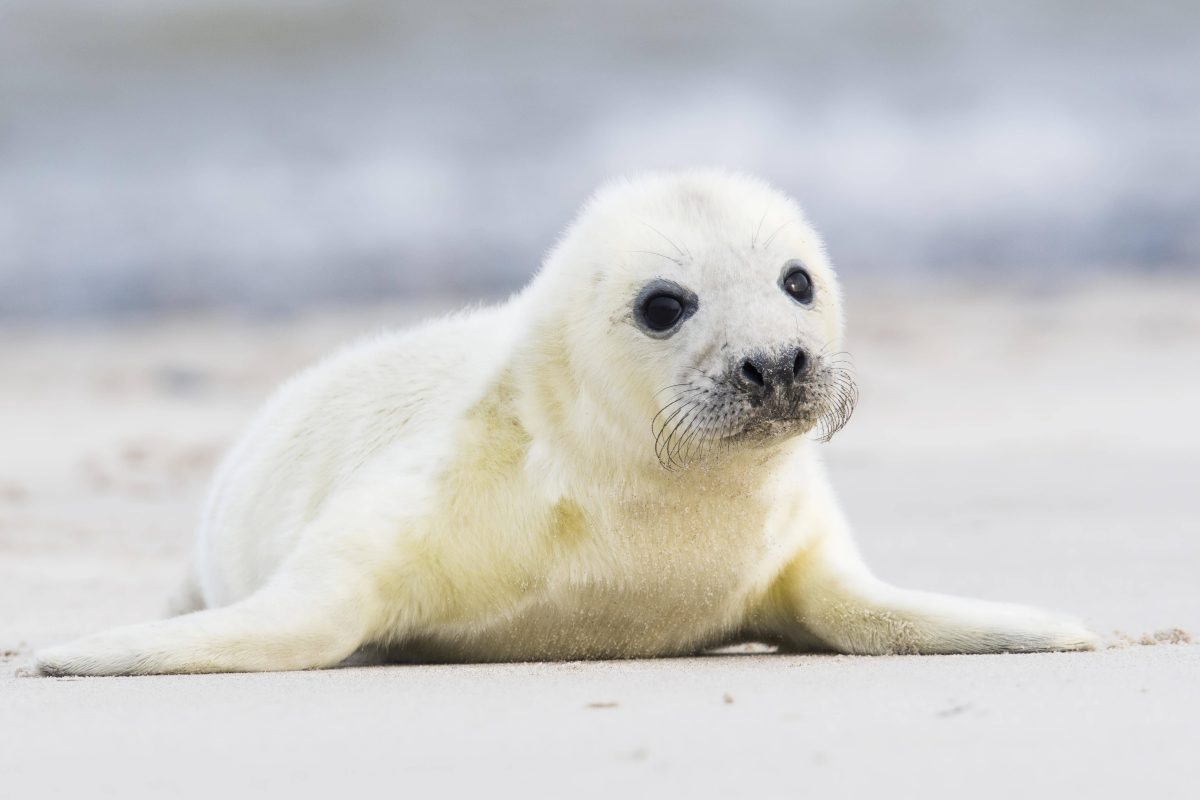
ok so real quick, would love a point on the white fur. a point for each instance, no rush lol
(485, 486)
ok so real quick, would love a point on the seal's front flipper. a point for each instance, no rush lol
(853, 612)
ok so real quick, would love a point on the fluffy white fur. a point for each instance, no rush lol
(487, 486)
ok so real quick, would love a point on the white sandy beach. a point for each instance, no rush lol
(1032, 445)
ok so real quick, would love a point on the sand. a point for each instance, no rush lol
(1011, 444)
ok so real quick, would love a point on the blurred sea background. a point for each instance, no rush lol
(268, 156)
(201, 197)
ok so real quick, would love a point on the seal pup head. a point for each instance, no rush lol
(690, 314)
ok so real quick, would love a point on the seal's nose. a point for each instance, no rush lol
(760, 373)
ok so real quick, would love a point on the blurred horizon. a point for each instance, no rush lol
(278, 155)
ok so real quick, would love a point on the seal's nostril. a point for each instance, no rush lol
(800, 364)
(752, 374)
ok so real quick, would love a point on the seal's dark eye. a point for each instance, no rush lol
(661, 307)
(797, 283)
(661, 311)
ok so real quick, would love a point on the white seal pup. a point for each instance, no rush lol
(620, 461)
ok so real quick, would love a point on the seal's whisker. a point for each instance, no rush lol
(663, 410)
(696, 430)
(673, 386)
(673, 447)
(698, 425)
(673, 414)
(727, 429)
(714, 423)
(687, 402)
(850, 389)
(677, 441)
(695, 449)
(839, 398)
(684, 393)
(848, 394)
(666, 443)
(840, 386)
(835, 396)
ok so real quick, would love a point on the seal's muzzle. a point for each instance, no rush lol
(771, 376)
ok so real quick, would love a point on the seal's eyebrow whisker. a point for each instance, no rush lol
(660, 255)
(771, 238)
(670, 241)
(758, 230)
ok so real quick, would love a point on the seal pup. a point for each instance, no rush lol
(619, 461)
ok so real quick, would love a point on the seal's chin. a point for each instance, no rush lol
(768, 429)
